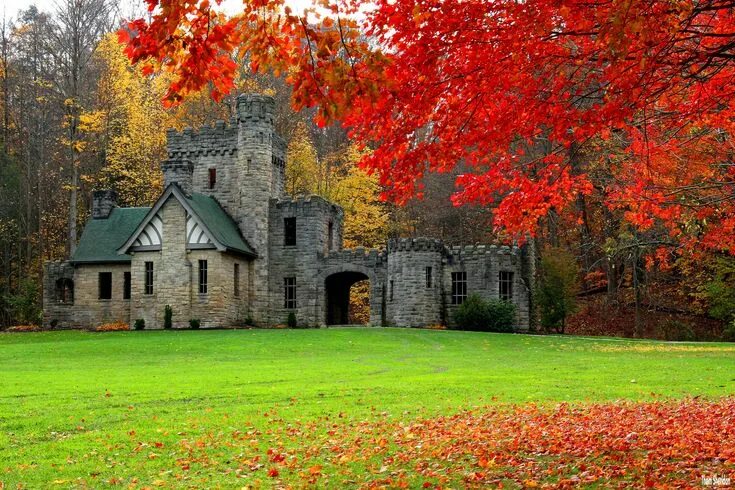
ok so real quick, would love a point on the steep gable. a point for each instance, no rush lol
(207, 226)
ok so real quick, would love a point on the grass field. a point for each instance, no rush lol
(207, 408)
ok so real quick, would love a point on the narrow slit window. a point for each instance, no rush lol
(390, 293)
(330, 236)
(236, 280)
(429, 278)
(289, 232)
(202, 277)
(289, 285)
(126, 285)
(105, 285)
(212, 177)
(149, 278)
(459, 287)
(505, 283)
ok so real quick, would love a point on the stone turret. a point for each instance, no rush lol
(103, 202)
(258, 180)
(415, 273)
(178, 171)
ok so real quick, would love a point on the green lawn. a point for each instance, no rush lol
(87, 409)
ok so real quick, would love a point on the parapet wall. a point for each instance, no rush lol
(415, 245)
(219, 139)
(307, 205)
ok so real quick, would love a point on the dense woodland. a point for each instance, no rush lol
(77, 115)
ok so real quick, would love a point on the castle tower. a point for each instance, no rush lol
(414, 287)
(260, 162)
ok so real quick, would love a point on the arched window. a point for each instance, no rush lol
(64, 290)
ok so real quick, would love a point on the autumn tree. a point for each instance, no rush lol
(489, 79)
(75, 31)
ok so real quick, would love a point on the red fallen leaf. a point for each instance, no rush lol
(273, 472)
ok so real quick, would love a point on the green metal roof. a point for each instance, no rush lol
(219, 223)
(102, 237)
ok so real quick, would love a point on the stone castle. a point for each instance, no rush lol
(223, 244)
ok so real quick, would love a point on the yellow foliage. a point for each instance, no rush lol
(302, 170)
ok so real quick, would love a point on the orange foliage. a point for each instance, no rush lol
(113, 327)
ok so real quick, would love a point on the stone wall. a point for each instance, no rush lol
(172, 273)
(483, 265)
(176, 280)
(410, 301)
(55, 311)
(313, 215)
(89, 309)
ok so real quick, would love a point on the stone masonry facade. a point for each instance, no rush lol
(225, 245)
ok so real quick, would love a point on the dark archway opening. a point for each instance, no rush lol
(337, 288)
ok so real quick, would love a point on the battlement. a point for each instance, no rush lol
(306, 205)
(218, 139)
(470, 250)
(359, 255)
(415, 245)
(256, 108)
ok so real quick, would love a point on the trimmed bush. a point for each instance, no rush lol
(502, 315)
(487, 316)
(291, 322)
(194, 323)
(139, 324)
(168, 314)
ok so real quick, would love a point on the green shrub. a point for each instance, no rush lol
(168, 314)
(502, 315)
(139, 324)
(24, 304)
(194, 324)
(291, 321)
(677, 331)
(728, 335)
(557, 289)
(489, 316)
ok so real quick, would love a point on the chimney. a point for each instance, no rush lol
(178, 172)
(102, 203)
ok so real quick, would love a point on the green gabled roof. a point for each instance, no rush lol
(219, 223)
(102, 237)
(215, 222)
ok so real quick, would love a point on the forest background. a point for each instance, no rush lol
(77, 116)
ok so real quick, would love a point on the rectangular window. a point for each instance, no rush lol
(212, 177)
(105, 285)
(459, 287)
(505, 285)
(289, 232)
(126, 285)
(236, 280)
(330, 236)
(429, 280)
(390, 293)
(202, 277)
(289, 284)
(149, 278)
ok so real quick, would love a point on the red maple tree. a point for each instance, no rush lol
(530, 96)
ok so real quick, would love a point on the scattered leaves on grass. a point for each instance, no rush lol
(622, 444)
